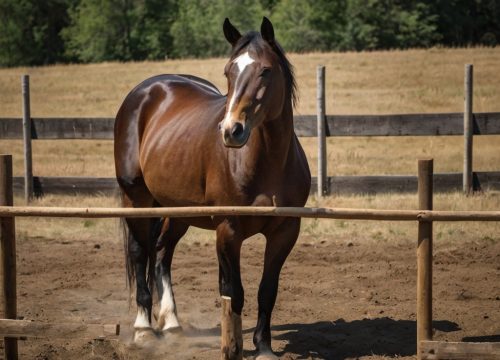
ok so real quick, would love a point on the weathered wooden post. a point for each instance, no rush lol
(8, 256)
(321, 119)
(424, 255)
(28, 162)
(231, 332)
(468, 129)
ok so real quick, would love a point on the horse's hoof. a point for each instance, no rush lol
(144, 336)
(266, 355)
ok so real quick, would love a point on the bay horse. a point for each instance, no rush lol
(180, 142)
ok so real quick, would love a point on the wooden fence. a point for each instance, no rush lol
(319, 125)
(425, 216)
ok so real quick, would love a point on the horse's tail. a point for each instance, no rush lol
(129, 268)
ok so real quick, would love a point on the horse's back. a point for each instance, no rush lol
(162, 110)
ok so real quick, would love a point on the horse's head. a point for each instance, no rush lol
(258, 76)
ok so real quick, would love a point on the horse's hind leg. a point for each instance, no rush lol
(279, 243)
(172, 231)
(140, 248)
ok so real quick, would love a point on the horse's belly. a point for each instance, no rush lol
(176, 188)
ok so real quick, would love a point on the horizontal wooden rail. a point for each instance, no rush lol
(37, 329)
(371, 184)
(305, 125)
(201, 211)
(398, 125)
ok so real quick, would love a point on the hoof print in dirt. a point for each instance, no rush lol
(144, 336)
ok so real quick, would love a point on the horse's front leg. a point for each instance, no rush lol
(229, 242)
(279, 243)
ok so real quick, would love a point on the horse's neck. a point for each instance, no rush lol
(277, 136)
(269, 146)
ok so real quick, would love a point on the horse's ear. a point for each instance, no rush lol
(230, 32)
(266, 30)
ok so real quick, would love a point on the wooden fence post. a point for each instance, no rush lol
(468, 185)
(231, 332)
(28, 162)
(8, 255)
(321, 119)
(424, 255)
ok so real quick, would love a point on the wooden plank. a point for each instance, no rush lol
(438, 350)
(36, 329)
(69, 185)
(59, 128)
(399, 125)
(486, 123)
(396, 125)
(339, 185)
(305, 125)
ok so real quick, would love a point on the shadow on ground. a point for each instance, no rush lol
(337, 340)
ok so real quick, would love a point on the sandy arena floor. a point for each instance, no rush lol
(338, 298)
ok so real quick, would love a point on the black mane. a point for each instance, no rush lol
(254, 40)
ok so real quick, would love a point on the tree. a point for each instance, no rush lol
(197, 31)
(100, 30)
(387, 24)
(308, 25)
(468, 22)
(30, 31)
(153, 39)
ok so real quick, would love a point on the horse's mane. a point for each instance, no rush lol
(254, 40)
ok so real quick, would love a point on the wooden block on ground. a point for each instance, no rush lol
(37, 329)
(433, 350)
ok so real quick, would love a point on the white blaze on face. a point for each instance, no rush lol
(242, 62)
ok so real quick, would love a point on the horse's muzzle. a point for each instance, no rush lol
(235, 136)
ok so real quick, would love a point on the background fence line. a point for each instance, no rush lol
(466, 124)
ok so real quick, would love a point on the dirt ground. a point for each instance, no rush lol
(338, 298)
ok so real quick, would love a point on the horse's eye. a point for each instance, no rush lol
(265, 72)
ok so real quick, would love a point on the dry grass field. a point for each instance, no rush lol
(357, 83)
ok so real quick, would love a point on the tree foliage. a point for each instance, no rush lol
(193, 37)
(385, 24)
(49, 31)
(29, 31)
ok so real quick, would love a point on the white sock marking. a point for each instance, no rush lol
(167, 305)
(141, 321)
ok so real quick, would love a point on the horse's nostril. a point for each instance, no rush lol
(237, 130)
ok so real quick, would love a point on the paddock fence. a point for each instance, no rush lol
(12, 329)
(321, 125)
